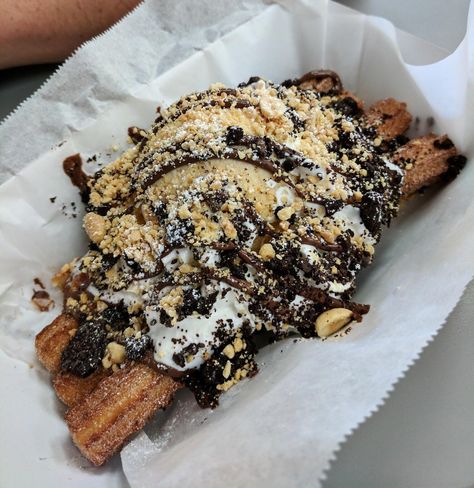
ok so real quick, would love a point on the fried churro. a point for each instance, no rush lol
(119, 406)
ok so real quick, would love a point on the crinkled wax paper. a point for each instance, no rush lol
(282, 427)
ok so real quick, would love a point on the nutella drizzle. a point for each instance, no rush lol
(41, 298)
(72, 166)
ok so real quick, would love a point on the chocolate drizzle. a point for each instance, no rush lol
(42, 301)
(136, 135)
(200, 101)
(320, 244)
(72, 166)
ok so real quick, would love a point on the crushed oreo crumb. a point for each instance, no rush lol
(83, 355)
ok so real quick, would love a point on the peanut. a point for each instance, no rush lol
(116, 351)
(285, 213)
(229, 229)
(333, 320)
(94, 225)
(227, 369)
(267, 252)
(229, 351)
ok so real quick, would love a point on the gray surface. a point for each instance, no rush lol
(424, 435)
(16, 84)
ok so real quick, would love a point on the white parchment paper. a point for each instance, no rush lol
(282, 427)
(156, 36)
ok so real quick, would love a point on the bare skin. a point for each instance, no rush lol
(46, 31)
